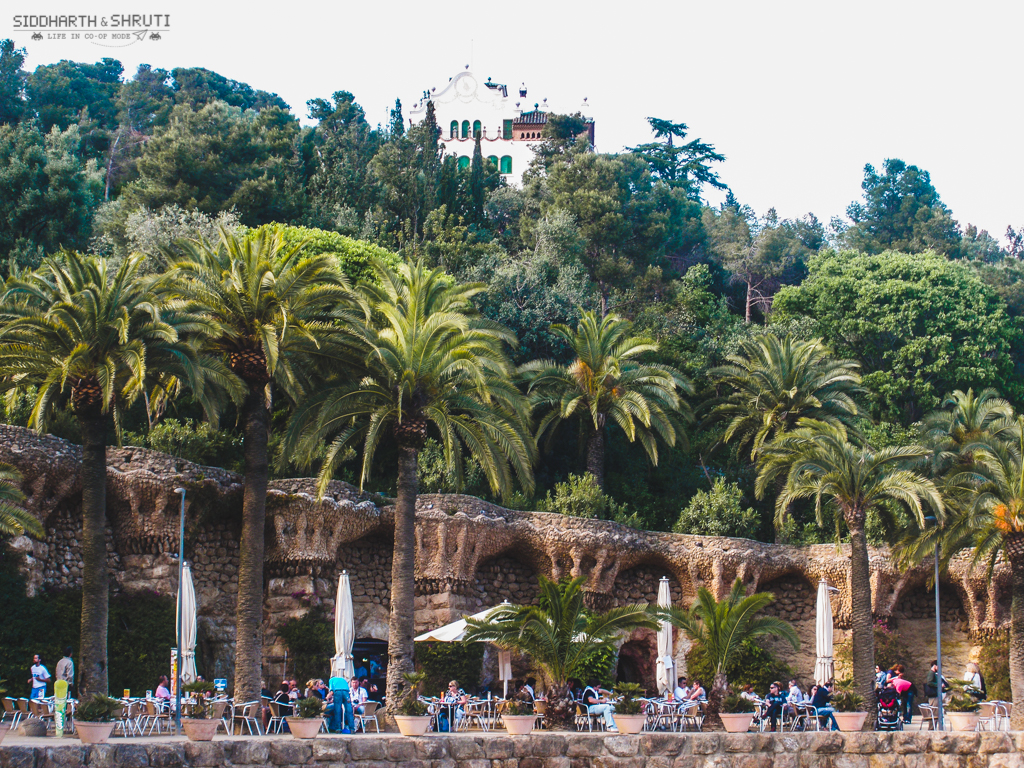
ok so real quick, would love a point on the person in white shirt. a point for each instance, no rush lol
(528, 687)
(40, 676)
(682, 691)
(748, 693)
(795, 696)
(359, 696)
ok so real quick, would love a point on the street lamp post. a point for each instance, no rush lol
(181, 568)
(938, 630)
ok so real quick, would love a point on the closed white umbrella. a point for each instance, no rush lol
(344, 630)
(505, 669)
(824, 665)
(666, 663)
(187, 630)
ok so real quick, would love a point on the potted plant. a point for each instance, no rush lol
(737, 713)
(962, 711)
(848, 706)
(413, 718)
(309, 720)
(195, 721)
(92, 718)
(629, 710)
(518, 716)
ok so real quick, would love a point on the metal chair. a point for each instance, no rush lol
(370, 714)
(1003, 710)
(987, 716)
(11, 712)
(276, 722)
(155, 719)
(540, 709)
(929, 715)
(218, 710)
(39, 710)
(248, 715)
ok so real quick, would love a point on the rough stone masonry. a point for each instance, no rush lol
(470, 555)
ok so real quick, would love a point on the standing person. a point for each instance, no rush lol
(341, 717)
(905, 689)
(975, 682)
(820, 702)
(66, 671)
(40, 676)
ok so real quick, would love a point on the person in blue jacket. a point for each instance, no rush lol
(340, 707)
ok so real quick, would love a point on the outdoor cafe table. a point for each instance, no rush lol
(677, 713)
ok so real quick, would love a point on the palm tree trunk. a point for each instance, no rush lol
(1015, 554)
(861, 620)
(717, 693)
(95, 586)
(561, 709)
(595, 456)
(401, 623)
(249, 610)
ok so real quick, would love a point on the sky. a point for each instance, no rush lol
(797, 94)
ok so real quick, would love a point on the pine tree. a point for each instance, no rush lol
(476, 181)
(397, 127)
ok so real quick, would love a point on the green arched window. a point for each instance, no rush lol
(493, 159)
(465, 129)
(506, 164)
(476, 128)
(455, 129)
(463, 163)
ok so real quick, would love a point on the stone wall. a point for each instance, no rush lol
(542, 750)
(470, 554)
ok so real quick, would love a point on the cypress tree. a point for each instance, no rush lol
(397, 126)
(476, 182)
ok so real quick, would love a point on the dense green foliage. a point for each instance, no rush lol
(442, 662)
(751, 664)
(141, 632)
(718, 512)
(310, 642)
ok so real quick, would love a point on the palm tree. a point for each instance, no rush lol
(428, 359)
(965, 418)
(987, 500)
(773, 382)
(818, 462)
(607, 381)
(269, 310)
(86, 334)
(560, 634)
(15, 520)
(722, 626)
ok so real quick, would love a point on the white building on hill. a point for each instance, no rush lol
(508, 132)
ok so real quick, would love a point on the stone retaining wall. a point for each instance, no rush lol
(543, 750)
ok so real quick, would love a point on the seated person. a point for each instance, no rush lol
(359, 696)
(819, 701)
(598, 705)
(456, 699)
(529, 687)
(774, 702)
(697, 692)
(748, 693)
(284, 703)
(794, 697)
(682, 689)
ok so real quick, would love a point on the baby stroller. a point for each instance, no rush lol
(890, 711)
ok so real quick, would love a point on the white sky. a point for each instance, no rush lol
(798, 94)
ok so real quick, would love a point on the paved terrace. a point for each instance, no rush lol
(919, 749)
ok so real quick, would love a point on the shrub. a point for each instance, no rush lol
(735, 704)
(629, 704)
(353, 255)
(718, 512)
(98, 709)
(411, 705)
(995, 667)
(194, 441)
(441, 662)
(581, 496)
(309, 707)
(310, 642)
(435, 477)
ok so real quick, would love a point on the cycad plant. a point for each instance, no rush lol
(429, 364)
(15, 520)
(561, 634)
(606, 383)
(771, 383)
(269, 314)
(722, 626)
(818, 461)
(83, 332)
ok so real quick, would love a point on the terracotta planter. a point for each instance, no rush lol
(410, 725)
(963, 721)
(519, 725)
(93, 733)
(304, 727)
(630, 723)
(736, 722)
(850, 721)
(199, 730)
